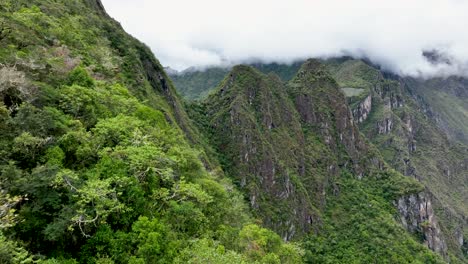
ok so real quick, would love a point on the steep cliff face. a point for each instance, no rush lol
(260, 138)
(417, 215)
(307, 172)
(271, 136)
(404, 130)
(99, 162)
(363, 109)
(323, 109)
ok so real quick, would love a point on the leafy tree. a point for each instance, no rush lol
(79, 76)
(208, 251)
(11, 253)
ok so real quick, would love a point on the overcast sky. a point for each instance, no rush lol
(392, 33)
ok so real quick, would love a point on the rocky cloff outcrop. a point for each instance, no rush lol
(322, 107)
(417, 215)
(257, 131)
(286, 144)
(361, 112)
(406, 122)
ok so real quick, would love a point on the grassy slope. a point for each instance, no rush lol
(447, 99)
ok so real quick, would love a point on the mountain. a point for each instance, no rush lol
(418, 135)
(297, 153)
(445, 100)
(395, 115)
(101, 161)
(194, 83)
(169, 71)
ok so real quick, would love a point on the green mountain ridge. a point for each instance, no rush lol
(101, 161)
(195, 83)
(297, 148)
(415, 139)
(396, 121)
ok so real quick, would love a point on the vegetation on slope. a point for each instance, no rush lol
(98, 158)
(195, 84)
(446, 101)
(282, 145)
(99, 162)
(359, 225)
(402, 123)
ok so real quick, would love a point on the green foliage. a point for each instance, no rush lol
(99, 162)
(91, 186)
(258, 241)
(195, 84)
(79, 76)
(208, 251)
(7, 211)
(265, 246)
(360, 226)
(11, 253)
(105, 177)
(154, 245)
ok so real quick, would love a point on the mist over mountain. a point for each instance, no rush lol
(394, 34)
(358, 154)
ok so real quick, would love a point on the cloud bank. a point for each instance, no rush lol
(396, 34)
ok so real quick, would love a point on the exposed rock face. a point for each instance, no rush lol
(417, 215)
(363, 109)
(258, 130)
(319, 101)
(286, 143)
(459, 235)
(385, 126)
(412, 122)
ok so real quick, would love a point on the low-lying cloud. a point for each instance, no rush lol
(399, 35)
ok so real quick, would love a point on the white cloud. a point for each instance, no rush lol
(185, 33)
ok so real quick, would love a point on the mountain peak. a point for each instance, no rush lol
(312, 65)
(242, 76)
(243, 69)
(313, 70)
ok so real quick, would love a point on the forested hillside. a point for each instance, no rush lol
(101, 160)
(296, 151)
(416, 135)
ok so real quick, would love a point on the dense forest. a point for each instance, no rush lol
(101, 160)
